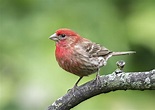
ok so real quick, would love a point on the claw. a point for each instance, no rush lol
(75, 86)
(72, 90)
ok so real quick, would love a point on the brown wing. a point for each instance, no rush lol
(96, 50)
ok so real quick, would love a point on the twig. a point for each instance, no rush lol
(112, 82)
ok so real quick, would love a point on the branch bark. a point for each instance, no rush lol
(108, 83)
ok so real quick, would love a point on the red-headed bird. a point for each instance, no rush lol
(79, 55)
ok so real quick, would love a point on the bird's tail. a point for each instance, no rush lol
(123, 53)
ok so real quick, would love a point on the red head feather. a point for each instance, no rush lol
(67, 32)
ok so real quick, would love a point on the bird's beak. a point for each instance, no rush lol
(54, 37)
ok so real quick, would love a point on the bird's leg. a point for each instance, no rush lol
(97, 79)
(77, 82)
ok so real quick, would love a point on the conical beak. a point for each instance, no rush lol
(54, 37)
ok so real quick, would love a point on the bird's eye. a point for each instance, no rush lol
(63, 35)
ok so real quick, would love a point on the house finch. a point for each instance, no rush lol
(79, 55)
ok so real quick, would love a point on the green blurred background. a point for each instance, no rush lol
(30, 78)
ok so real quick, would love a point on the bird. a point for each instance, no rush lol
(80, 56)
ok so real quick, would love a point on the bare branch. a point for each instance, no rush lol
(111, 82)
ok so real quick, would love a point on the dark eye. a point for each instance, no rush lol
(63, 35)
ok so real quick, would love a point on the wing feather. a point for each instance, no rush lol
(96, 50)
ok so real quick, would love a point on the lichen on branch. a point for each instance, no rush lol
(111, 82)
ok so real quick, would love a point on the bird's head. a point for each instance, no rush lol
(65, 36)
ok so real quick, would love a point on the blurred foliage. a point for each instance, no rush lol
(30, 77)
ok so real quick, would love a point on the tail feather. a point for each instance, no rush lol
(123, 53)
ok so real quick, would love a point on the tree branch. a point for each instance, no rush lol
(108, 83)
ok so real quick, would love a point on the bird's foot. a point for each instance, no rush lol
(98, 80)
(72, 91)
(75, 86)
